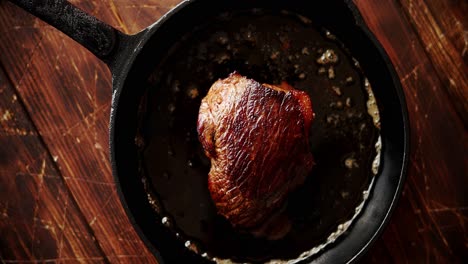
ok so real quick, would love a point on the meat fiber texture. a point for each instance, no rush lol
(256, 136)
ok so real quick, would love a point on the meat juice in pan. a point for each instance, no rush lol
(270, 48)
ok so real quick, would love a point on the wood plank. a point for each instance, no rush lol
(131, 16)
(39, 219)
(72, 116)
(451, 16)
(445, 57)
(414, 233)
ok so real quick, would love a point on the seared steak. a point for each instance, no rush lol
(257, 139)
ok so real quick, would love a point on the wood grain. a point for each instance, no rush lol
(424, 226)
(75, 92)
(58, 201)
(445, 57)
(37, 211)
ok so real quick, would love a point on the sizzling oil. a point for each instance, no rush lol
(269, 48)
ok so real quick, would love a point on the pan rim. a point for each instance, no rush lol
(147, 33)
(406, 128)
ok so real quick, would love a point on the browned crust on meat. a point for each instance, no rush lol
(257, 139)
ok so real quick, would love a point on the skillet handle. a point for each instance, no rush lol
(95, 35)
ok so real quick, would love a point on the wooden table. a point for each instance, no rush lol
(58, 201)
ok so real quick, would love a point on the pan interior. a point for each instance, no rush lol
(269, 46)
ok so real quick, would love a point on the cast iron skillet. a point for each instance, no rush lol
(132, 60)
